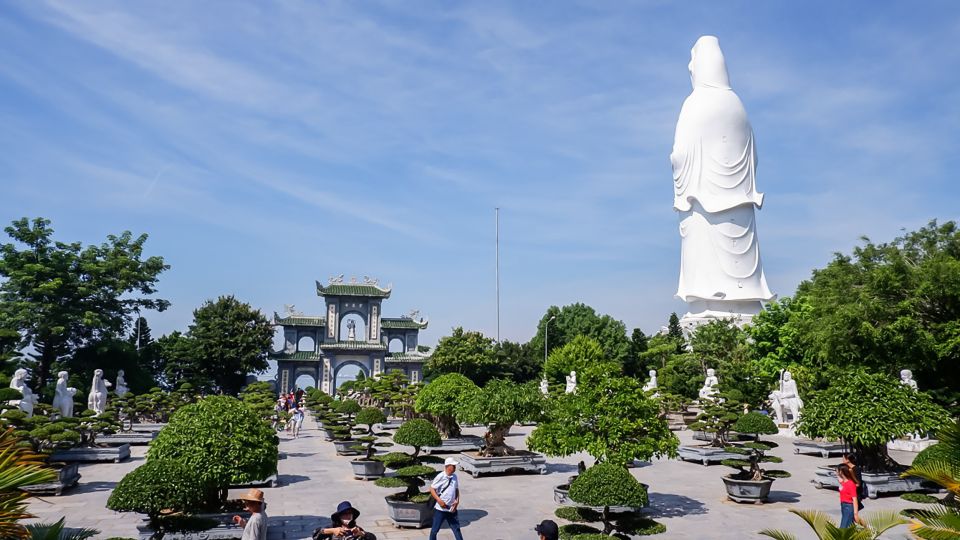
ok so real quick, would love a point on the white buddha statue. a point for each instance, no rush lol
(121, 384)
(97, 400)
(709, 385)
(544, 386)
(714, 168)
(571, 383)
(906, 379)
(19, 383)
(63, 399)
(652, 383)
(785, 401)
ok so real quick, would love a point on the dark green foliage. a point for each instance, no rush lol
(222, 440)
(348, 407)
(260, 398)
(417, 433)
(158, 486)
(922, 498)
(755, 423)
(577, 530)
(470, 354)
(231, 341)
(605, 485)
(718, 416)
(722, 345)
(518, 362)
(9, 394)
(368, 417)
(58, 531)
(46, 432)
(867, 410)
(499, 405)
(441, 398)
(634, 366)
(410, 472)
(680, 374)
(635, 524)
(582, 320)
(578, 514)
(937, 452)
(580, 353)
(749, 468)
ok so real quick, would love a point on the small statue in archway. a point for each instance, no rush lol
(351, 330)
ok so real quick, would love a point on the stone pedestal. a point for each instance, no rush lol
(705, 454)
(115, 454)
(133, 438)
(67, 476)
(467, 443)
(910, 445)
(523, 461)
(824, 448)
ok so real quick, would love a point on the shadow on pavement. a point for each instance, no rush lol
(287, 479)
(469, 516)
(668, 505)
(91, 487)
(783, 496)
(561, 468)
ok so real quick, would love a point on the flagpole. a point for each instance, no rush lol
(497, 216)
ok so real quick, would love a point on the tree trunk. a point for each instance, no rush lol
(494, 442)
(447, 426)
(607, 525)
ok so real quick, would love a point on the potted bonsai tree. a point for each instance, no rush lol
(716, 420)
(439, 400)
(367, 468)
(499, 405)
(412, 507)
(751, 483)
(611, 496)
(342, 433)
(848, 410)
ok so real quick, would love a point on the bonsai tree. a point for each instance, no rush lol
(754, 453)
(498, 406)
(223, 441)
(610, 417)
(440, 399)
(344, 425)
(719, 415)
(259, 397)
(939, 464)
(826, 529)
(605, 485)
(368, 417)
(866, 411)
(158, 488)
(410, 472)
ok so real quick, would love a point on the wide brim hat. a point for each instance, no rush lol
(254, 495)
(345, 506)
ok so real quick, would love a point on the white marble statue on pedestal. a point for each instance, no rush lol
(571, 383)
(19, 383)
(714, 162)
(121, 384)
(906, 379)
(544, 386)
(785, 401)
(63, 399)
(97, 400)
(351, 330)
(652, 383)
(709, 385)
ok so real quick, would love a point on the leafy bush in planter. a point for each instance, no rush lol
(609, 484)
(866, 411)
(222, 440)
(754, 452)
(719, 415)
(410, 472)
(260, 398)
(369, 417)
(47, 432)
(441, 398)
(609, 417)
(499, 405)
(159, 486)
(348, 408)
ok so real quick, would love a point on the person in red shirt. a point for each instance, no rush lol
(849, 509)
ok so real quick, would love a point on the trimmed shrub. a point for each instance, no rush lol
(417, 433)
(159, 485)
(441, 398)
(411, 473)
(937, 452)
(606, 484)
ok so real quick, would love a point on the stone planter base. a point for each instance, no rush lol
(408, 514)
(67, 477)
(824, 448)
(523, 461)
(115, 454)
(270, 482)
(132, 438)
(876, 483)
(910, 445)
(345, 448)
(705, 454)
(148, 427)
(367, 470)
(327, 434)
(225, 529)
(467, 443)
(748, 491)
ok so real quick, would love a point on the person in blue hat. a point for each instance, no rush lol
(343, 525)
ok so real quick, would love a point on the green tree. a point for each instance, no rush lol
(499, 405)
(676, 332)
(177, 361)
(939, 464)
(440, 400)
(58, 297)
(721, 345)
(470, 354)
(634, 364)
(519, 362)
(582, 320)
(577, 355)
(232, 340)
(110, 355)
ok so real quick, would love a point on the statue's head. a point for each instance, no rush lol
(711, 372)
(21, 374)
(120, 373)
(62, 375)
(98, 373)
(787, 376)
(906, 374)
(653, 373)
(707, 66)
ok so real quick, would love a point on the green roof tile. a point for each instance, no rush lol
(299, 320)
(353, 346)
(403, 323)
(298, 355)
(352, 289)
(406, 358)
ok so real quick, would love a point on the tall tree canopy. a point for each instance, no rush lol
(470, 354)
(581, 320)
(230, 341)
(57, 297)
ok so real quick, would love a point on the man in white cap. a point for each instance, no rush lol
(445, 489)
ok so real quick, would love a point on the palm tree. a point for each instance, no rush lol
(19, 467)
(59, 531)
(826, 529)
(943, 520)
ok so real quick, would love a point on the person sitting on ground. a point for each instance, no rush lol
(343, 525)
(548, 530)
(254, 528)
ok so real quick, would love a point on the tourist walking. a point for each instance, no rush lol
(297, 421)
(445, 489)
(850, 461)
(548, 530)
(849, 511)
(343, 525)
(254, 528)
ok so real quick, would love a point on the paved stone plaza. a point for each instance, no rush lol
(689, 498)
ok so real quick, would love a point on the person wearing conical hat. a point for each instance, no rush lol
(254, 528)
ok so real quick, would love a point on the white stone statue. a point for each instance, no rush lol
(785, 401)
(63, 400)
(571, 383)
(544, 386)
(19, 383)
(714, 166)
(97, 400)
(906, 379)
(709, 385)
(652, 383)
(351, 330)
(121, 384)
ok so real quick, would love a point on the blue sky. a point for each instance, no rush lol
(263, 146)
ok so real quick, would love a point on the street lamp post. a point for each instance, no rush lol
(546, 338)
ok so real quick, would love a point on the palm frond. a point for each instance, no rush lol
(777, 534)
(939, 471)
(883, 520)
(937, 523)
(19, 467)
(818, 521)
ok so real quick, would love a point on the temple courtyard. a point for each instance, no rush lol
(687, 497)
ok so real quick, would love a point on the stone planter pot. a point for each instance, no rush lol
(748, 491)
(148, 427)
(824, 448)
(688, 418)
(367, 470)
(523, 461)
(876, 483)
(327, 434)
(115, 454)
(270, 482)
(910, 445)
(467, 443)
(132, 438)
(224, 529)
(68, 474)
(409, 514)
(345, 448)
(705, 454)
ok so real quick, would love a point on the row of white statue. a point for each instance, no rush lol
(63, 398)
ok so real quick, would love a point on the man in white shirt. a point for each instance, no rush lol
(254, 528)
(445, 489)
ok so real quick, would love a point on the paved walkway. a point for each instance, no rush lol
(687, 497)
